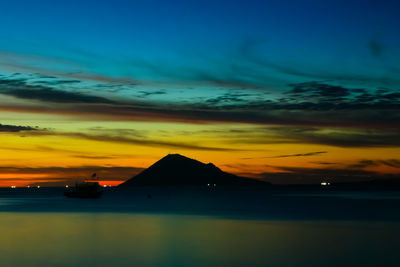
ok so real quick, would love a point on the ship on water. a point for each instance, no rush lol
(86, 189)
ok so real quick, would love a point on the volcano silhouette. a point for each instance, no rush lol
(177, 170)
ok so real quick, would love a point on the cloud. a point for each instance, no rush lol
(20, 88)
(293, 155)
(131, 140)
(340, 137)
(250, 50)
(14, 128)
(393, 163)
(150, 93)
(38, 64)
(341, 173)
(302, 108)
(228, 98)
(322, 96)
(300, 155)
(54, 81)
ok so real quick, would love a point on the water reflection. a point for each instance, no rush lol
(117, 239)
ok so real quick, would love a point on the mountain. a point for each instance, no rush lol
(175, 169)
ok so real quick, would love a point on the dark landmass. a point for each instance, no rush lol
(177, 170)
(375, 184)
(369, 185)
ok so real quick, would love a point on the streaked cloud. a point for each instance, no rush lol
(309, 154)
(16, 128)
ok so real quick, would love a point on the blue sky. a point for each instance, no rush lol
(269, 43)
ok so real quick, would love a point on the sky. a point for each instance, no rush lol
(283, 91)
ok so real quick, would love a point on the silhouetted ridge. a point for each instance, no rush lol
(175, 169)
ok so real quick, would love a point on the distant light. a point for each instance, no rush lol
(325, 183)
(215, 185)
(66, 186)
(29, 186)
(208, 184)
(13, 186)
(38, 186)
(105, 185)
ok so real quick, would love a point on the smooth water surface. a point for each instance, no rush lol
(114, 239)
(200, 228)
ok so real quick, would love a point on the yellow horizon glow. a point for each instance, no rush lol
(62, 149)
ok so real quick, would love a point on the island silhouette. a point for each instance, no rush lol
(178, 170)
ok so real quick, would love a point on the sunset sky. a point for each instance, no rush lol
(286, 91)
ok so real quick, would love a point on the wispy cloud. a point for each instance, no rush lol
(365, 163)
(143, 141)
(292, 155)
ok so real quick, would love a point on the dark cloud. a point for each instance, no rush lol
(322, 96)
(150, 93)
(228, 98)
(315, 91)
(323, 162)
(304, 111)
(132, 140)
(341, 138)
(363, 164)
(22, 89)
(393, 163)
(15, 128)
(56, 81)
(314, 135)
(293, 155)
(300, 155)
(338, 128)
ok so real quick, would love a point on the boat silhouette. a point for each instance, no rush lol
(86, 189)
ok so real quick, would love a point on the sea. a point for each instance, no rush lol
(200, 226)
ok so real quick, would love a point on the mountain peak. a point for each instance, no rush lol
(175, 157)
(175, 169)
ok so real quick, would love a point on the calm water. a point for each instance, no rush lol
(200, 228)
